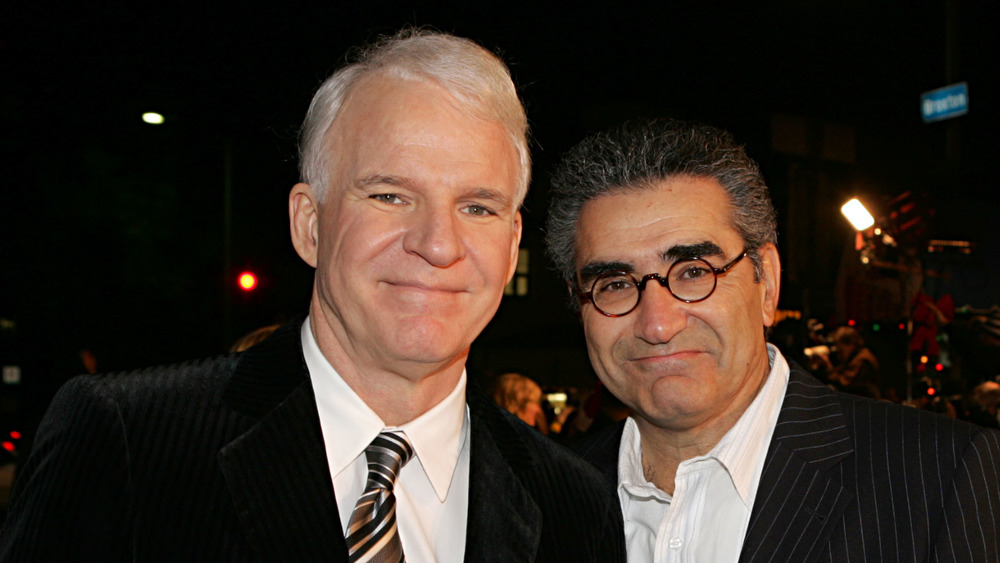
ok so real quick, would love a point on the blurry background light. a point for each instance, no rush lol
(856, 213)
(152, 118)
(247, 281)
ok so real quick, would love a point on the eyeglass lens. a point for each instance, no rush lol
(616, 293)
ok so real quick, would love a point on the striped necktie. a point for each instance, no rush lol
(371, 535)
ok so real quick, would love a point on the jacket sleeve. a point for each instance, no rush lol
(970, 522)
(71, 500)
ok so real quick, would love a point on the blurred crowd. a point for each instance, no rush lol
(563, 414)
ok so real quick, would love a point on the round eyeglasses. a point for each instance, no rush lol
(617, 293)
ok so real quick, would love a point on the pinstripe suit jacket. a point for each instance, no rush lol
(850, 479)
(223, 460)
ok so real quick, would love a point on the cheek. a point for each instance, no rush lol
(602, 339)
(491, 256)
(735, 316)
(361, 242)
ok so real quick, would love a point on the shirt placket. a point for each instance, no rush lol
(673, 532)
(674, 541)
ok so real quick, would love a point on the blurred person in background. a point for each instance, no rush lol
(856, 369)
(985, 409)
(253, 338)
(521, 396)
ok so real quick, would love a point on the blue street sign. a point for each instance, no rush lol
(944, 103)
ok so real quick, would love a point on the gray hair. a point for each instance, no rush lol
(476, 78)
(639, 155)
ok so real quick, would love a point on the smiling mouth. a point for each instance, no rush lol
(422, 287)
(680, 355)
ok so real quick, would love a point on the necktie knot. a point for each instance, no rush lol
(387, 454)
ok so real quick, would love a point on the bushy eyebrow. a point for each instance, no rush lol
(690, 251)
(594, 269)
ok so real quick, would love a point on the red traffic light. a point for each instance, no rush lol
(247, 281)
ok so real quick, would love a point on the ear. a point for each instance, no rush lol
(770, 282)
(515, 243)
(303, 215)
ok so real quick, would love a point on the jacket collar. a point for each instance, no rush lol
(268, 372)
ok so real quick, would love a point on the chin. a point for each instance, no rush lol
(427, 346)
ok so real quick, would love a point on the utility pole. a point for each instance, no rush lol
(227, 243)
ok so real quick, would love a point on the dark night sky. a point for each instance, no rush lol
(113, 229)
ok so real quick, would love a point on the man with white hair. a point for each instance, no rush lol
(350, 436)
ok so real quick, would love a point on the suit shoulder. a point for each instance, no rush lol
(129, 396)
(880, 425)
(155, 383)
(861, 409)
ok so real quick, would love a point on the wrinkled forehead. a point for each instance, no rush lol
(675, 192)
(690, 212)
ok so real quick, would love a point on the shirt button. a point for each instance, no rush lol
(676, 543)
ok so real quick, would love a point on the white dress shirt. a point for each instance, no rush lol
(707, 516)
(432, 492)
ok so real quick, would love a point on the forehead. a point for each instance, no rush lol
(396, 122)
(640, 224)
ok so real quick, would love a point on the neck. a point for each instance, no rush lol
(397, 400)
(663, 450)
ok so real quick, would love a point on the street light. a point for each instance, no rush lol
(856, 213)
(153, 118)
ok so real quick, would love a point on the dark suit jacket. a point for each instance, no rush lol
(223, 460)
(852, 479)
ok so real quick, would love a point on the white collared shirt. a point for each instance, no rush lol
(432, 493)
(707, 516)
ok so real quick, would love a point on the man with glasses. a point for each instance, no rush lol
(665, 235)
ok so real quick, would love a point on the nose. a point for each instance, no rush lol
(659, 315)
(435, 235)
